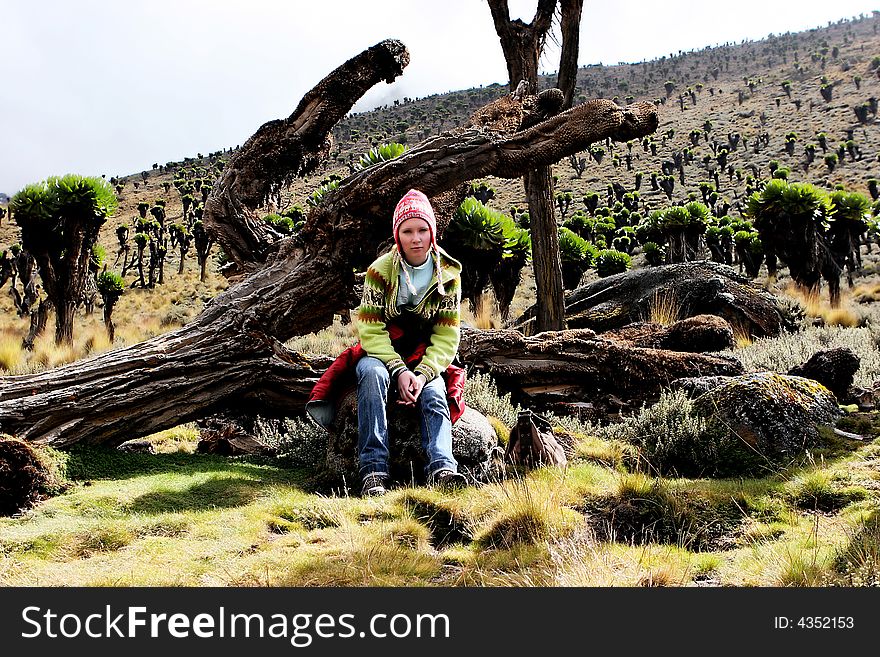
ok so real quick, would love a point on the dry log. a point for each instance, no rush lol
(579, 365)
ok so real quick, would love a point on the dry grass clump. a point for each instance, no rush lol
(487, 315)
(822, 490)
(582, 560)
(664, 308)
(866, 293)
(11, 352)
(818, 306)
(330, 341)
(531, 513)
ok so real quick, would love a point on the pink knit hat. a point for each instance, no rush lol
(415, 204)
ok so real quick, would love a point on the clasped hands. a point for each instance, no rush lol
(409, 387)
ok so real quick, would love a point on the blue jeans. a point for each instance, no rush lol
(436, 427)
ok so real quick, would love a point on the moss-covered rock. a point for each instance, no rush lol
(775, 416)
(473, 443)
(25, 477)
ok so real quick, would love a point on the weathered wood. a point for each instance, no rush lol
(522, 45)
(282, 149)
(579, 365)
(232, 351)
(570, 27)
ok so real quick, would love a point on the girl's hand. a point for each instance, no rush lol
(409, 387)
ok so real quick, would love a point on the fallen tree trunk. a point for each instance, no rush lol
(232, 351)
(580, 366)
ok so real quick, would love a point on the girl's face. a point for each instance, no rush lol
(414, 236)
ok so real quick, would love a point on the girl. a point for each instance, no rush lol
(412, 293)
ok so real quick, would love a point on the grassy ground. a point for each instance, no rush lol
(183, 519)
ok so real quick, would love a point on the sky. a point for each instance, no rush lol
(109, 86)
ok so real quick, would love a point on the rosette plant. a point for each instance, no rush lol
(576, 255)
(793, 220)
(110, 286)
(848, 223)
(475, 236)
(60, 219)
(611, 261)
(517, 253)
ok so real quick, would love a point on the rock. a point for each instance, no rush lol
(694, 288)
(697, 334)
(138, 447)
(775, 415)
(698, 385)
(833, 368)
(24, 478)
(474, 444)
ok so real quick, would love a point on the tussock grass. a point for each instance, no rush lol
(330, 341)
(866, 293)
(182, 438)
(11, 353)
(741, 336)
(487, 316)
(664, 308)
(818, 307)
(615, 454)
(531, 514)
(822, 490)
(582, 560)
(857, 562)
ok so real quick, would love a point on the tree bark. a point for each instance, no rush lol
(232, 351)
(570, 25)
(545, 252)
(282, 149)
(522, 45)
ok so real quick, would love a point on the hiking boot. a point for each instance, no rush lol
(447, 479)
(374, 485)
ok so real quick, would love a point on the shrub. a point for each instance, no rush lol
(482, 394)
(610, 261)
(675, 440)
(654, 253)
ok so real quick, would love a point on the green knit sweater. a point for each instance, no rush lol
(439, 311)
